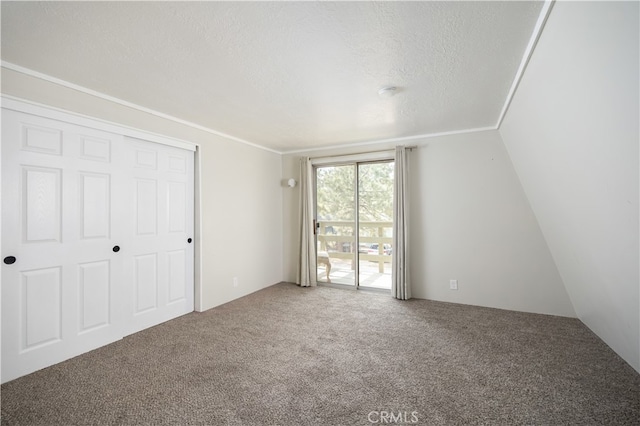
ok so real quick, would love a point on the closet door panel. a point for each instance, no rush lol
(60, 297)
(162, 205)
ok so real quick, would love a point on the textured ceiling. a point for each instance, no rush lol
(285, 75)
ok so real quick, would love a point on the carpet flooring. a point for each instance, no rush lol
(322, 356)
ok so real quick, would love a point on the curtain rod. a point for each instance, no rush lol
(361, 153)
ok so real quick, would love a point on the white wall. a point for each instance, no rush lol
(572, 133)
(241, 192)
(470, 221)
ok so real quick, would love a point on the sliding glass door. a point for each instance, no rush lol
(354, 214)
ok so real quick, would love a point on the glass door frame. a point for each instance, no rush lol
(388, 157)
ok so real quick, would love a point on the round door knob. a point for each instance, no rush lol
(116, 249)
(10, 260)
(189, 240)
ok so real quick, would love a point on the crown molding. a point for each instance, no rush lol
(90, 92)
(528, 52)
(392, 140)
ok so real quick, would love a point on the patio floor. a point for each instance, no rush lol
(370, 276)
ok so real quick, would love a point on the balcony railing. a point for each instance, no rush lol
(337, 239)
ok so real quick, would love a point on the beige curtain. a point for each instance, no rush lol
(307, 270)
(400, 286)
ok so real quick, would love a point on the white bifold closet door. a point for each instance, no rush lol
(95, 232)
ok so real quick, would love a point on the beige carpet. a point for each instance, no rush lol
(321, 356)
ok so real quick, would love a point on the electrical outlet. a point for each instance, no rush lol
(453, 284)
(235, 281)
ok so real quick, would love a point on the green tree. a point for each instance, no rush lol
(336, 191)
(376, 192)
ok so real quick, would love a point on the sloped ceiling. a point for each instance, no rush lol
(285, 75)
